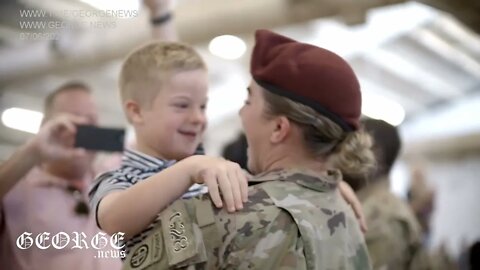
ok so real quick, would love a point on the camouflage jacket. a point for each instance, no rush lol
(293, 220)
(394, 234)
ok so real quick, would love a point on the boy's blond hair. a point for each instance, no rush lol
(147, 68)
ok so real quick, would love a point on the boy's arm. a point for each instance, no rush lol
(131, 210)
(161, 19)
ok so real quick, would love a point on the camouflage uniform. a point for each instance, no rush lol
(293, 220)
(394, 237)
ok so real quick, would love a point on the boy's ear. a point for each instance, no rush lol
(282, 129)
(134, 112)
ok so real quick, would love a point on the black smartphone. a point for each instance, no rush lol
(100, 138)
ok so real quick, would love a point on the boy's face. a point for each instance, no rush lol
(173, 126)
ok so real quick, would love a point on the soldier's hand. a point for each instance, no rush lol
(55, 139)
(225, 180)
(349, 196)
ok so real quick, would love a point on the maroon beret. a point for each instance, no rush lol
(309, 75)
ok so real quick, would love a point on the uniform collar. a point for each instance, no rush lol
(319, 181)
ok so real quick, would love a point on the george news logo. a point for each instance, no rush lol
(106, 246)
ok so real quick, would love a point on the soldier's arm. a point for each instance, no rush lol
(265, 244)
(389, 244)
(421, 259)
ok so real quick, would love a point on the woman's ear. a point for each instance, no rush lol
(281, 130)
(133, 112)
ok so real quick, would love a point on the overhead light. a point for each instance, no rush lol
(227, 47)
(126, 5)
(22, 119)
(380, 107)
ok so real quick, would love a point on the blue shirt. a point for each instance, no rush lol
(135, 167)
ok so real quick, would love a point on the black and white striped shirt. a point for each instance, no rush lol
(135, 167)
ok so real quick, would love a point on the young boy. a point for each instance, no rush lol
(163, 88)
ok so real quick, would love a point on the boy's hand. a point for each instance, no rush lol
(56, 139)
(349, 196)
(222, 177)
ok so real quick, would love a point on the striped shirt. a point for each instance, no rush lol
(135, 167)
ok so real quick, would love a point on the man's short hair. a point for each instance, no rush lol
(386, 144)
(146, 68)
(66, 87)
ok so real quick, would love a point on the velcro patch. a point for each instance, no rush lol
(148, 252)
(178, 230)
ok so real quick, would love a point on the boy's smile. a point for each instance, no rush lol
(189, 134)
(173, 126)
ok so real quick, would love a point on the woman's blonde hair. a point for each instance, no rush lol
(350, 152)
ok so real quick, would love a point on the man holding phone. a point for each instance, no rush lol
(42, 188)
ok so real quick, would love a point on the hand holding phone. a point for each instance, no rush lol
(99, 138)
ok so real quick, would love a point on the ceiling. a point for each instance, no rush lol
(406, 54)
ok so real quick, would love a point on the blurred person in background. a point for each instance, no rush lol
(394, 238)
(421, 199)
(236, 151)
(474, 256)
(43, 188)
